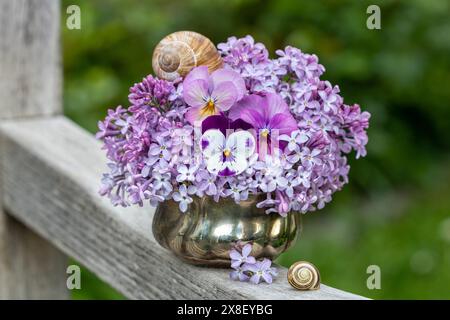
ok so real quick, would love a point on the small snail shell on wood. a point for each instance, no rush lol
(303, 275)
(180, 52)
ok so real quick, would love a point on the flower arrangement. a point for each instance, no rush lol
(253, 125)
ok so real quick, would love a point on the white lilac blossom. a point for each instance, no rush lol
(154, 154)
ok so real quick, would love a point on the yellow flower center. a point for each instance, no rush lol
(209, 109)
(226, 152)
(264, 133)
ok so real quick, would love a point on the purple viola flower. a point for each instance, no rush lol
(268, 114)
(210, 94)
(182, 197)
(261, 271)
(223, 123)
(242, 256)
(227, 156)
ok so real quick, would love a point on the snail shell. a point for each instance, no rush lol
(180, 52)
(303, 275)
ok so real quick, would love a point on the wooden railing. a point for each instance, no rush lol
(49, 176)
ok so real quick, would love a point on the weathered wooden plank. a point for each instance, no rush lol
(30, 267)
(30, 73)
(51, 176)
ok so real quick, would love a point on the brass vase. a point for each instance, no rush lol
(205, 234)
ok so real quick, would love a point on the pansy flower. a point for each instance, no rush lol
(268, 114)
(223, 124)
(227, 156)
(211, 94)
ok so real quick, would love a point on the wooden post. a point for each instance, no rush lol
(30, 86)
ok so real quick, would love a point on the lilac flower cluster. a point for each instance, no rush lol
(246, 268)
(153, 146)
(313, 165)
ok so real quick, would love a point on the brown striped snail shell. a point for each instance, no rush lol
(180, 52)
(303, 275)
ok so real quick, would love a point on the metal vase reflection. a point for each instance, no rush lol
(205, 233)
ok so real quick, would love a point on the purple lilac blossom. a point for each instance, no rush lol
(151, 92)
(152, 152)
(239, 257)
(261, 271)
(246, 268)
(182, 196)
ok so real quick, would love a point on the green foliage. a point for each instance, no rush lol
(93, 289)
(395, 211)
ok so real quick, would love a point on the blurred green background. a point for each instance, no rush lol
(395, 212)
